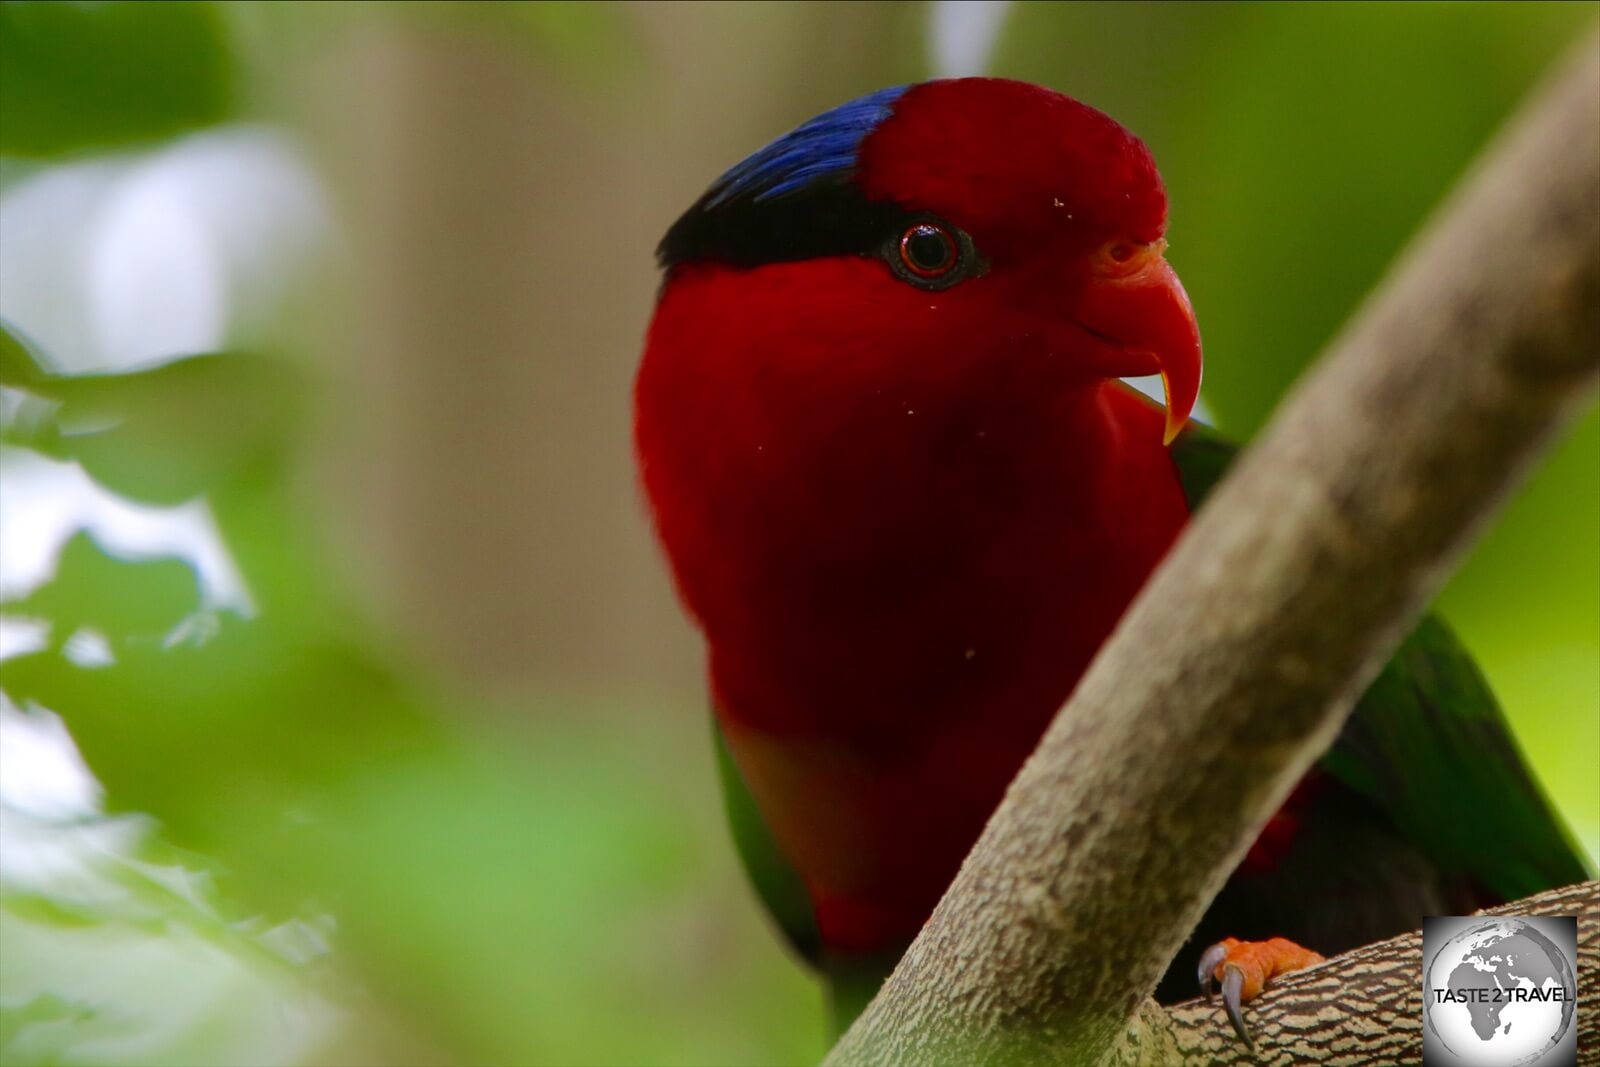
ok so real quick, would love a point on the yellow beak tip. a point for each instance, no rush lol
(1175, 424)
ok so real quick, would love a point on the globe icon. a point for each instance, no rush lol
(1499, 993)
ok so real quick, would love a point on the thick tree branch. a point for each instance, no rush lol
(1236, 666)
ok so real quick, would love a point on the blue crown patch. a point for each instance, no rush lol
(793, 199)
(822, 148)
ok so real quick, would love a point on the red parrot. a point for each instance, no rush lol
(906, 497)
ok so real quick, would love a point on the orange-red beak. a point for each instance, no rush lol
(1137, 304)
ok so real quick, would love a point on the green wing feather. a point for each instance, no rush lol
(1429, 745)
(849, 981)
(776, 881)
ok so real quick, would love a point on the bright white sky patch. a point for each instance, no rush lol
(1150, 385)
(963, 35)
(43, 502)
(156, 283)
(40, 770)
(122, 261)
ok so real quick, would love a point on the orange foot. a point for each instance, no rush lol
(1245, 967)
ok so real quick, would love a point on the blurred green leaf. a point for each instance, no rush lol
(31, 1030)
(104, 970)
(80, 76)
(205, 734)
(22, 364)
(121, 599)
(168, 433)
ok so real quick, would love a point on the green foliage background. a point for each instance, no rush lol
(331, 835)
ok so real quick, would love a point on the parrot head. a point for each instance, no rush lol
(921, 230)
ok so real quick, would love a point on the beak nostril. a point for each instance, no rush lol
(1123, 257)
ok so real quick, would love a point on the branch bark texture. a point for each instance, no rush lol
(1236, 666)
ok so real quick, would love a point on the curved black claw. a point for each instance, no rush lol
(1208, 967)
(1232, 987)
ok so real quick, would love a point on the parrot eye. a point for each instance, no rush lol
(928, 251)
(930, 254)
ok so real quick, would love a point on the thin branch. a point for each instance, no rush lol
(1270, 616)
